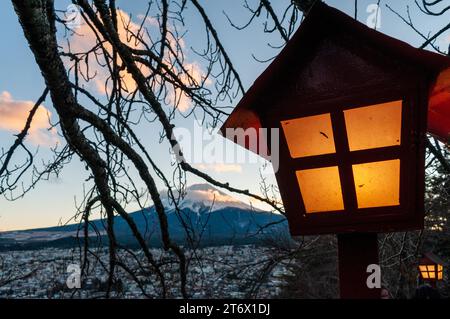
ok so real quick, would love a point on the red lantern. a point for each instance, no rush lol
(351, 107)
(431, 268)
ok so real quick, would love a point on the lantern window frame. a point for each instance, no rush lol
(431, 268)
(343, 158)
(407, 215)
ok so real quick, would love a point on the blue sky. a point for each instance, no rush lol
(20, 81)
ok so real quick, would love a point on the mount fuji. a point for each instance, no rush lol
(206, 217)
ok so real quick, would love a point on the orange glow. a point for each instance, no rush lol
(438, 110)
(429, 271)
(321, 189)
(374, 126)
(377, 184)
(309, 136)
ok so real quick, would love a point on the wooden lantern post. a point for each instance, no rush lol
(357, 251)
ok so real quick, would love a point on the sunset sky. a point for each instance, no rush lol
(21, 85)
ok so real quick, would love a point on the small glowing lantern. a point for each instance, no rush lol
(350, 104)
(431, 268)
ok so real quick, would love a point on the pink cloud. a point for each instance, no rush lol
(13, 116)
(84, 39)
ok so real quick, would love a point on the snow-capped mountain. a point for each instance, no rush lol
(205, 196)
(207, 216)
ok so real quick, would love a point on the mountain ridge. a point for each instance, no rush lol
(207, 217)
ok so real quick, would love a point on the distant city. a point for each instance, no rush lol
(216, 272)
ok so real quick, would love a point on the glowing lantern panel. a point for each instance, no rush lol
(309, 136)
(374, 126)
(377, 184)
(430, 268)
(321, 189)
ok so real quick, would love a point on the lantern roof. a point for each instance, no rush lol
(429, 257)
(326, 19)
